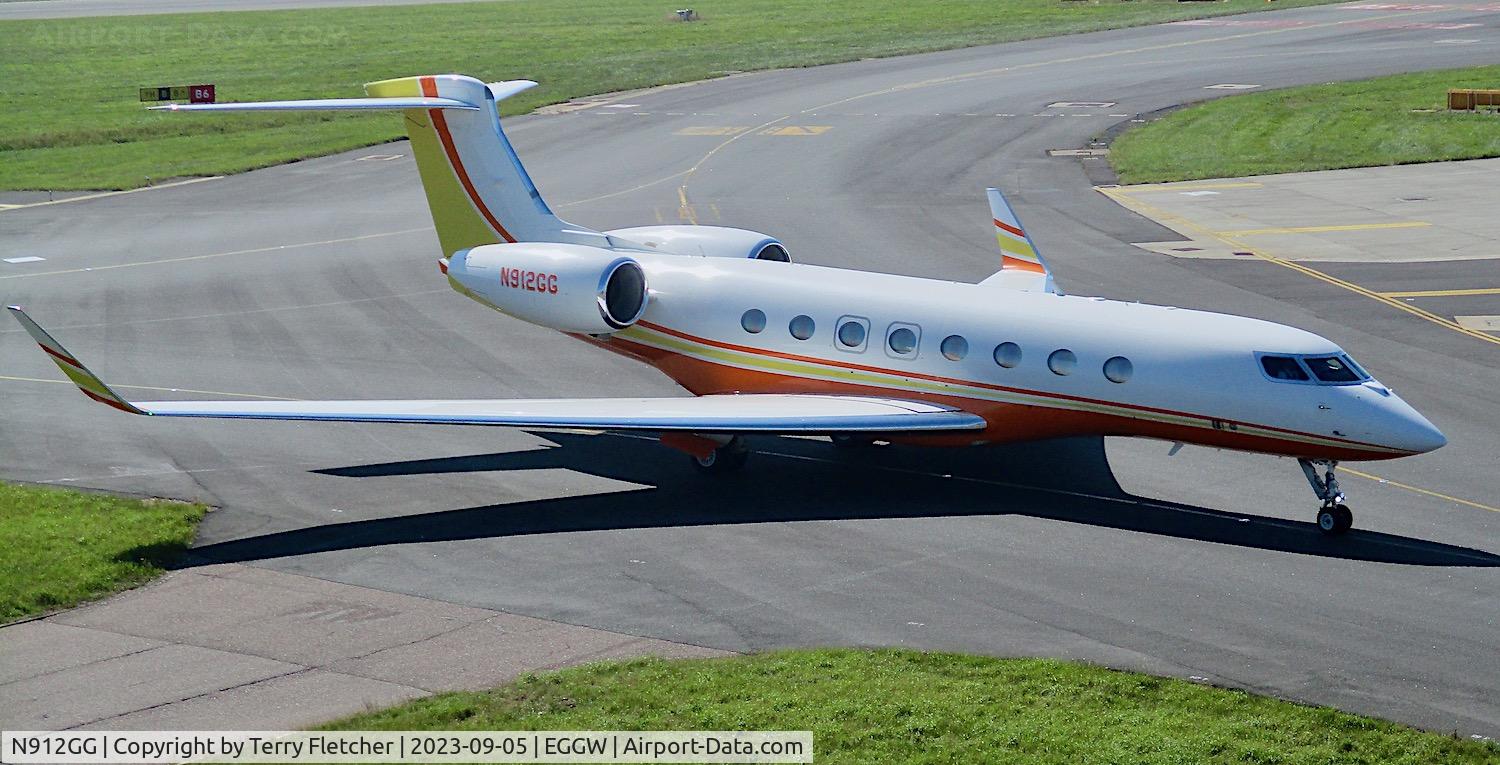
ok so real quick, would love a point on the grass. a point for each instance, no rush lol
(68, 87)
(64, 547)
(1383, 121)
(911, 707)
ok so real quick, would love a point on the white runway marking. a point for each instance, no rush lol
(24, 259)
(103, 194)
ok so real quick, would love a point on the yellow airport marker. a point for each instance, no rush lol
(710, 130)
(1323, 229)
(798, 130)
(1443, 293)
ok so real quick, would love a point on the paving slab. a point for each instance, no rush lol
(287, 702)
(232, 647)
(1407, 213)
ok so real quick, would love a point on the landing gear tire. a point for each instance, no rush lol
(1335, 519)
(725, 459)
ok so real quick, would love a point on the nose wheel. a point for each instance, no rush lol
(1334, 517)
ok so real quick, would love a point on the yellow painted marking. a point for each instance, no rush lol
(1145, 188)
(251, 251)
(1184, 225)
(1420, 490)
(707, 130)
(685, 208)
(1321, 229)
(103, 194)
(1443, 293)
(150, 387)
(798, 130)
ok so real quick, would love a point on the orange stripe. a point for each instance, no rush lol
(1007, 227)
(1009, 262)
(440, 123)
(984, 385)
(1009, 422)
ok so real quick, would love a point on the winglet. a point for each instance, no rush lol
(1018, 252)
(86, 381)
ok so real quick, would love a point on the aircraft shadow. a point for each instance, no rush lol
(795, 480)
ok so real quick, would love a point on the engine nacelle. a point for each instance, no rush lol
(705, 241)
(567, 287)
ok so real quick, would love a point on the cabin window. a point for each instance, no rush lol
(1007, 355)
(853, 331)
(1331, 369)
(1118, 369)
(954, 348)
(754, 321)
(1283, 368)
(802, 327)
(1062, 361)
(901, 340)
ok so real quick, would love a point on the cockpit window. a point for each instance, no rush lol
(1283, 368)
(1332, 369)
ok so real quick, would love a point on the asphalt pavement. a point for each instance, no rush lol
(317, 279)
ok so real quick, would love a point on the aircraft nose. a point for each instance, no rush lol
(1408, 430)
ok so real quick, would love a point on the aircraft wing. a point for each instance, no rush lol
(742, 413)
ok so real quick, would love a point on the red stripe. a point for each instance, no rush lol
(440, 123)
(989, 386)
(1003, 424)
(62, 357)
(1012, 229)
(110, 402)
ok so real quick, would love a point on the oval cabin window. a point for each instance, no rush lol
(955, 348)
(1062, 361)
(753, 321)
(1007, 355)
(802, 327)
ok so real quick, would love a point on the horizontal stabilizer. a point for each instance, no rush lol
(325, 104)
(769, 413)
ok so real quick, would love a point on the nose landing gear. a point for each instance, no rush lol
(1334, 517)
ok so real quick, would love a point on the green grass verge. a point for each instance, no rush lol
(70, 119)
(911, 707)
(1384, 121)
(63, 547)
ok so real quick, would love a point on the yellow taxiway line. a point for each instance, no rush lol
(1443, 293)
(1322, 229)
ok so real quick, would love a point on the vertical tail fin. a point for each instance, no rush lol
(477, 189)
(1018, 254)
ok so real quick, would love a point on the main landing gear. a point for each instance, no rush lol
(726, 458)
(1334, 517)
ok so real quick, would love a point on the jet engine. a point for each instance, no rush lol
(705, 241)
(567, 287)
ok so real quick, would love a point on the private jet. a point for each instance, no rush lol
(769, 346)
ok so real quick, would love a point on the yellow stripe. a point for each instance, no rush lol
(1148, 187)
(1420, 490)
(1442, 293)
(839, 374)
(152, 387)
(1016, 247)
(86, 381)
(1321, 229)
(1184, 225)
